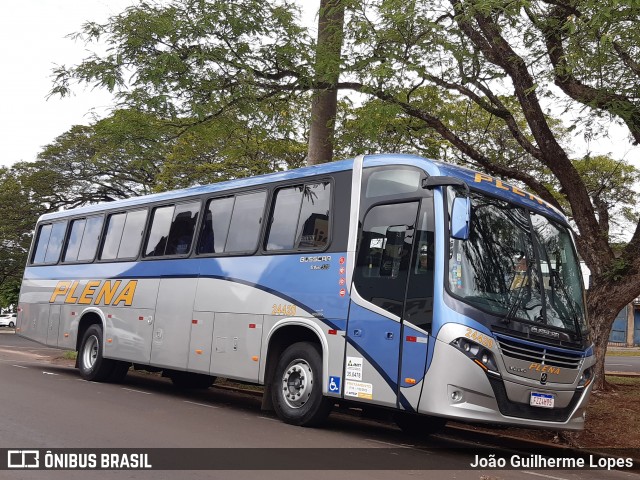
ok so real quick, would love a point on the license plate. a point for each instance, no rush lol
(543, 400)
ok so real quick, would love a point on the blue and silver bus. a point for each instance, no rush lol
(386, 280)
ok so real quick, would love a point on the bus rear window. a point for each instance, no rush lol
(49, 243)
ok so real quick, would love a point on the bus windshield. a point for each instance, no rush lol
(519, 266)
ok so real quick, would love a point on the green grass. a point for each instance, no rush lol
(70, 355)
(623, 353)
(635, 381)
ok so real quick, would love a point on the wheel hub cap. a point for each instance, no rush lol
(297, 383)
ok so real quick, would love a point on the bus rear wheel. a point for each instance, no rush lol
(297, 386)
(92, 365)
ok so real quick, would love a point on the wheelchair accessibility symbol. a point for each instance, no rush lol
(334, 384)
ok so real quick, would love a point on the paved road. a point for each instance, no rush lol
(622, 364)
(47, 405)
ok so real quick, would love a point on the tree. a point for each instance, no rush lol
(478, 51)
(19, 210)
(113, 158)
(231, 146)
(508, 63)
(327, 72)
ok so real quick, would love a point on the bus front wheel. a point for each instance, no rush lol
(93, 366)
(297, 386)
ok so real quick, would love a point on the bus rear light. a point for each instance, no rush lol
(332, 332)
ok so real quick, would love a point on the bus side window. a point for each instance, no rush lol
(313, 226)
(90, 239)
(55, 242)
(49, 243)
(75, 237)
(132, 234)
(384, 255)
(83, 239)
(300, 218)
(215, 227)
(41, 244)
(159, 231)
(182, 228)
(123, 235)
(246, 219)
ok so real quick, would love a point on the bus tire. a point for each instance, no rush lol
(419, 425)
(191, 381)
(91, 363)
(297, 386)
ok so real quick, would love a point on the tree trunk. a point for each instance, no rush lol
(325, 101)
(604, 302)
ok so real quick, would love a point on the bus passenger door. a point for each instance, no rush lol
(417, 316)
(379, 288)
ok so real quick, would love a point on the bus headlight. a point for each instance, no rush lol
(586, 378)
(478, 354)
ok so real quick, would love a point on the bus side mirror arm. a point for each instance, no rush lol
(461, 209)
(444, 181)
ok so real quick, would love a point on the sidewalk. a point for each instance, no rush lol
(623, 349)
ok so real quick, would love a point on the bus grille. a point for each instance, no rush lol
(543, 356)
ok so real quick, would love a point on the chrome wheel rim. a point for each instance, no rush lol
(297, 383)
(90, 352)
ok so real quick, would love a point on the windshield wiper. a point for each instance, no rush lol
(524, 283)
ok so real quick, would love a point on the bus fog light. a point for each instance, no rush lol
(485, 358)
(456, 395)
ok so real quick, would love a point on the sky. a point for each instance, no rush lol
(33, 41)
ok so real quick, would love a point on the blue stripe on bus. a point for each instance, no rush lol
(394, 385)
(318, 290)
